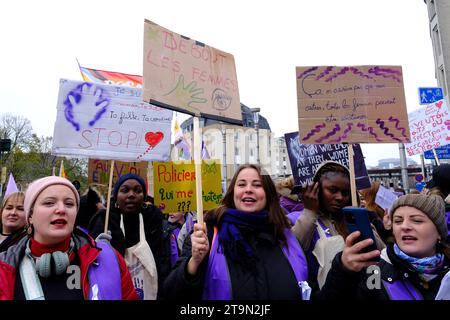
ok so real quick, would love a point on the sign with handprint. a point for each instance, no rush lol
(358, 104)
(175, 190)
(429, 127)
(109, 122)
(188, 76)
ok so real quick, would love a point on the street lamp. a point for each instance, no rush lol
(255, 112)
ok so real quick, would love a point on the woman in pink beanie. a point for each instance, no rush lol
(56, 261)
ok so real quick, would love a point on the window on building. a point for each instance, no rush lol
(251, 152)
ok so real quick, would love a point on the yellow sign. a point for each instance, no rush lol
(174, 185)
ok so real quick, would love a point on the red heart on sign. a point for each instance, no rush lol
(439, 104)
(153, 138)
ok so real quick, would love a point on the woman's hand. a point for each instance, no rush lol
(310, 197)
(352, 259)
(200, 248)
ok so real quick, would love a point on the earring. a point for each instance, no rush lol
(30, 230)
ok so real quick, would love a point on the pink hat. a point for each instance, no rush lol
(37, 186)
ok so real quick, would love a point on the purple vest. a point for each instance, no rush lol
(174, 246)
(217, 280)
(402, 290)
(105, 282)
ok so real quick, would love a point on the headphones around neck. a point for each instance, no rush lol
(44, 265)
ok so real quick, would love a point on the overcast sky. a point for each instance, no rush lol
(40, 41)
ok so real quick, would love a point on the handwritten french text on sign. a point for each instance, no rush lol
(174, 185)
(98, 170)
(351, 104)
(306, 158)
(187, 76)
(109, 122)
(430, 128)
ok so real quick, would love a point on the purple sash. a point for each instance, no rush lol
(402, 290)
(104, 276)
(174, 246)
(217, 280)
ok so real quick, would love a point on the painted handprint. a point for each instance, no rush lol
(187, 95)
(139, 287)
(88, 99)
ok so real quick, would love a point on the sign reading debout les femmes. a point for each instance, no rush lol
(188, 76)
(356, 104)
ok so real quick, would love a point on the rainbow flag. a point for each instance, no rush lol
(110, 77)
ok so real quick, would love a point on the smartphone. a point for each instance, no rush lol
(357, 219)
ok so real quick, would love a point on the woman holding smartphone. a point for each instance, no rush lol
(412, 268)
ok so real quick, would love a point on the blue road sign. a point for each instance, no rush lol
(441, 152)
(430, 95)
(420, 186)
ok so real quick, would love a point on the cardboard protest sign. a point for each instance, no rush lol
(109, 122)
(430, 128)
(306, 158)
(188, 76)
(174, 185)
(98, 170)
(359, 104)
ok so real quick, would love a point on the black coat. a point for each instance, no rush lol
(272, 279)
(153, 229)
(342, 284)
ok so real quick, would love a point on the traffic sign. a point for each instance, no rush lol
(419, 177)
(441, 152)
(420, 186)
(430, 95)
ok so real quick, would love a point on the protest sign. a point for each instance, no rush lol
(188, 76)
(109, 122)
(98, 170)
(430, 128)
(359, 104)
(306, 158)
(174, 185)
(385, 198)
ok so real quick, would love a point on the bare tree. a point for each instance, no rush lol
(16, 128)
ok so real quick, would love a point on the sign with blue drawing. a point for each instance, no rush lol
(430, 95)
(441, 152)
(109, 122)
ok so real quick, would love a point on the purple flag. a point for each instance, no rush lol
(11, 187)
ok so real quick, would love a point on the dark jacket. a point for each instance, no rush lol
(87, 253)
(342, 284)
(272, 279)
(153, 229)
(12, 239)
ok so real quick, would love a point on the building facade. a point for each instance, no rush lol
(439, 20)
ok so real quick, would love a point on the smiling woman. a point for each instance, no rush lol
(38, 266)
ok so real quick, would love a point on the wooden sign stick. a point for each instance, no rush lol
(111, 172)
(352, 175)
(198, 169)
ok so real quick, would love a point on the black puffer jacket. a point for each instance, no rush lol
(153, 229)
(273, 278)
(342, 284)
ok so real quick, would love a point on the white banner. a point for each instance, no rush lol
(429, 128)
(109, 122)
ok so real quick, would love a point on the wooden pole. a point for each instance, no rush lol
(108, 201)
(198, 169)
(351, 165)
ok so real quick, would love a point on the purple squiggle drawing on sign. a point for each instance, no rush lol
(344, 70)
(397, 121)
(370, 129)
(306, 72)
(346, 131)
(314, 131)
(381, 125)
(337, 128)
(86, 95)
(380, 72)
(324, 73)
